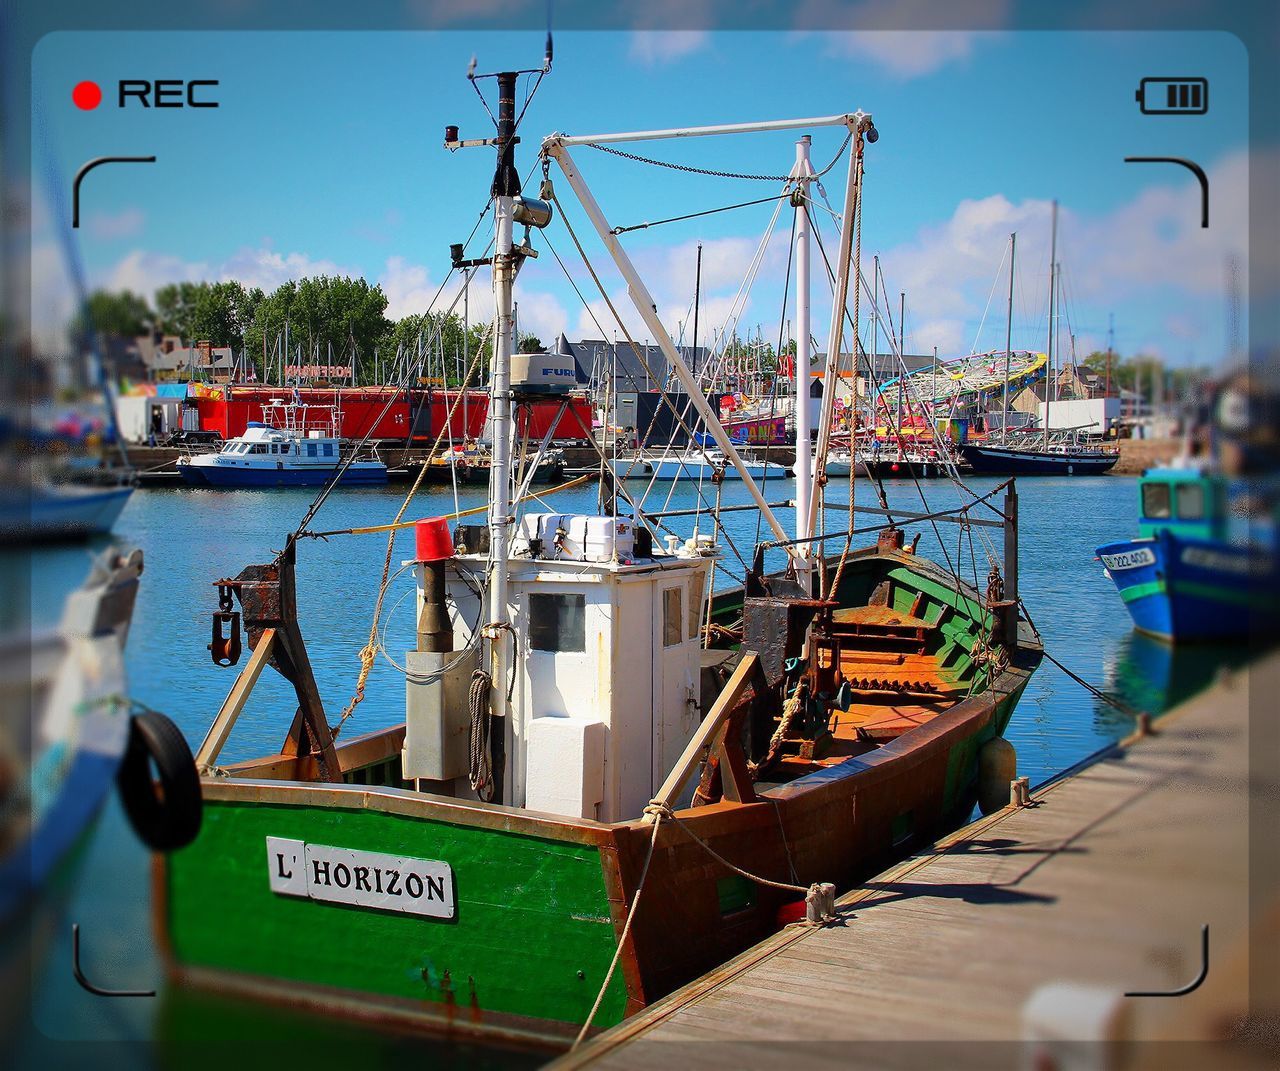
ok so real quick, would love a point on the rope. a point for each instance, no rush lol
(622, 940)
(479, 758)
(716, 174)
(660, 812)
(695, 215)
(457, 515)
(369, 652)
(789, 711)
(1093, 690)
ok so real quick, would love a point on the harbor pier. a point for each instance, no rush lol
(1112, 907)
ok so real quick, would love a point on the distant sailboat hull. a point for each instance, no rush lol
(1011, 461)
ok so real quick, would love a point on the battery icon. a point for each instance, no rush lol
(1173, 96)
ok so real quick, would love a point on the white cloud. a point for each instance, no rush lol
(541, 314)
(1148, 252)
(110, 227)
(878, 31)
(409, 288)
(268, 269)
(144, 272)
(655, 47)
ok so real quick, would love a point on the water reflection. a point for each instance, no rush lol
(1153, 676)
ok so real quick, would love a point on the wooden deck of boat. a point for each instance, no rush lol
(1105, 881)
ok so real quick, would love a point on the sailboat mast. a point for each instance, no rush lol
(506, 187)
(1053, 267)
(804, 449)
(1008, 344)
(902, 362)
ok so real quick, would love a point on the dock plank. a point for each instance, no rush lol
(1105, 881)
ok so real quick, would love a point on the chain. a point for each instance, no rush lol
(689, 169)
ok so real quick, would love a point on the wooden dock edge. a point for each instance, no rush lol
(644, 1021)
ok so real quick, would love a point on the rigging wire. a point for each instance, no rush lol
(696, 215)
(689, 169)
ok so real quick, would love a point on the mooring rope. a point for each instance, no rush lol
(1095, 691)
(661, 812)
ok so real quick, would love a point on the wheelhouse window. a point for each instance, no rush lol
(1190, 501)
(1156, 502)
(672, 613)
(311, 449)
(557, 622)
(328, 449)
(260, 449)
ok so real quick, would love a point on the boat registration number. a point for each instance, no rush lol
(1130, 559)
(363, 879)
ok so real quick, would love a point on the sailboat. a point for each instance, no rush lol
(1042, 452)
(567, 825)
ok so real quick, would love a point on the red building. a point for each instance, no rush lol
(388, 414)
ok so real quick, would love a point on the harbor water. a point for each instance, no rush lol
(192, 537)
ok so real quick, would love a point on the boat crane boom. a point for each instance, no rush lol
(645, 306)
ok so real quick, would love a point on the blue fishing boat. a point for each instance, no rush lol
(295, 445)
(1187, 576)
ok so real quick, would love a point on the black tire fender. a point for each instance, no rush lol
(165, 813)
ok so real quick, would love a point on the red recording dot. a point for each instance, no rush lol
(87, 95)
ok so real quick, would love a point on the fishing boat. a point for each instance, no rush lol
(584, 807)
(1188, 576)
(469, 464)
(296, 444)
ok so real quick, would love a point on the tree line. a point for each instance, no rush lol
(334, 320)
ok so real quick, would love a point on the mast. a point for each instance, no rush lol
(697, 297)
(506, 187)
(803, 375)
(902, 360)
(1111, 338)
(1008, 342)
(876, 398)
(1053, 269)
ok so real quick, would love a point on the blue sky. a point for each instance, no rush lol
(325, 156)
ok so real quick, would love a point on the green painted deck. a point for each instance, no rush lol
(1104, 882)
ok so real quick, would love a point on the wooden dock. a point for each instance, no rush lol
(1033, 923)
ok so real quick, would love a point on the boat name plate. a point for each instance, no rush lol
(1130, 559)
(362, 879)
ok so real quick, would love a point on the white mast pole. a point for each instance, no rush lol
(505, 188)
(1008, 343)
(646, 307)
(1048, 380)
(803, 374)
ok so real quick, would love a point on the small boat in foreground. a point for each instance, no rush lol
(289, 448)
(68, 734)
(1184, 578)
(57, 511)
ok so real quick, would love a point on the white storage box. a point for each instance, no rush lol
(565, 772)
